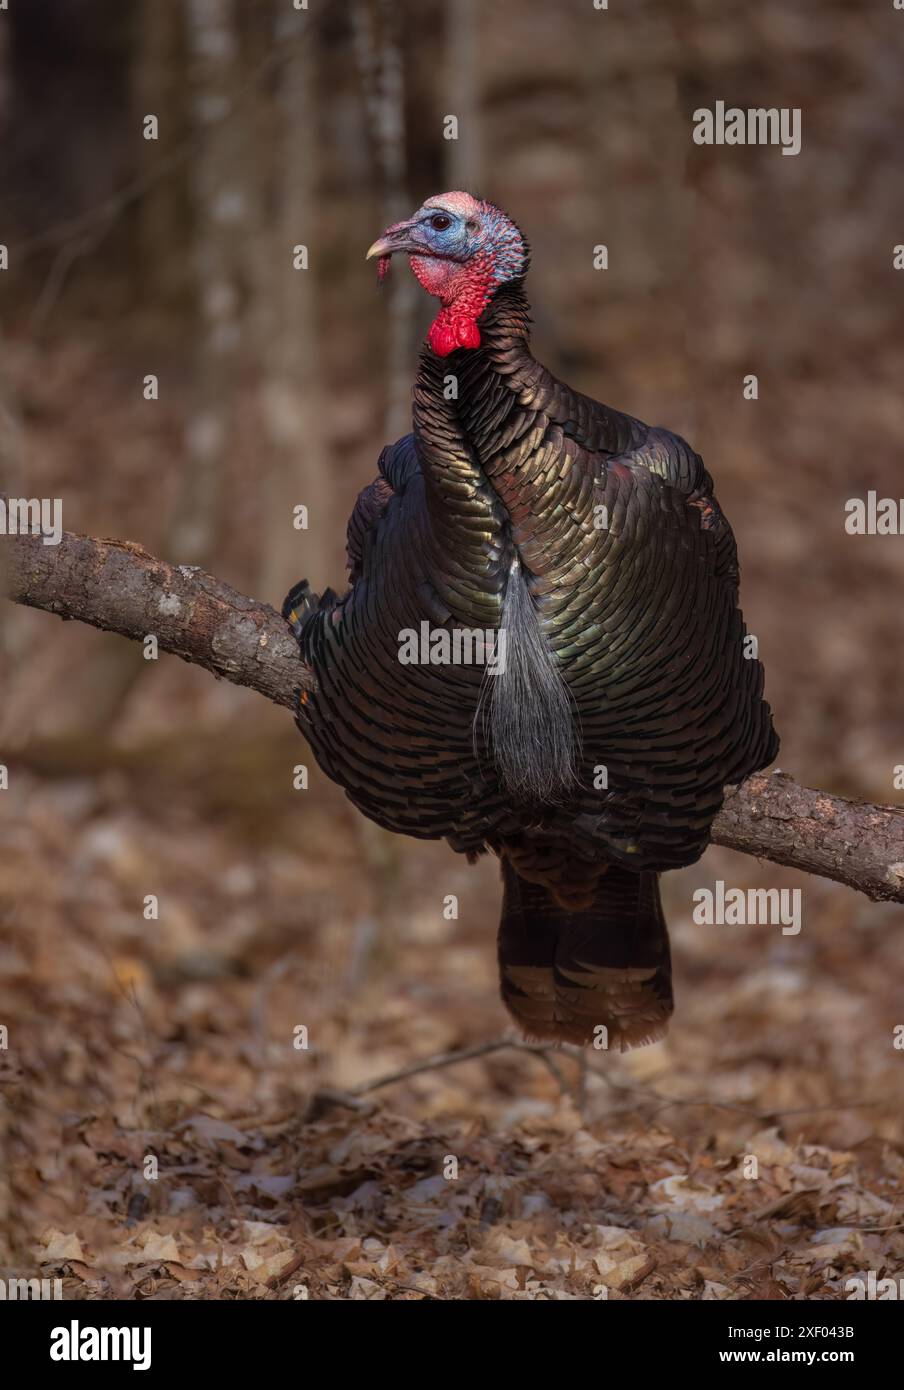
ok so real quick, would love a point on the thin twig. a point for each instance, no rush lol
(543, 1052)
(667, 1102)
(463, 1054)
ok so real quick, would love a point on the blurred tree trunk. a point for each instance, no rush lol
(12, 484)
(463, 154)
(161, 80)
(220, 207)
(648, 234)
(292, 394)
(378, 51)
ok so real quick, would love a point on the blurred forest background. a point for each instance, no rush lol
(173, 257)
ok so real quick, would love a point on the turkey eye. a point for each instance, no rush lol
(439, 224)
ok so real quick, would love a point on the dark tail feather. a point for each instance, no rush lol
(563, 975)
(300, 602)
(297, 603)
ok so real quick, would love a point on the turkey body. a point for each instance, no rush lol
(513, 485)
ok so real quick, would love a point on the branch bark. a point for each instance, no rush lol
(119, 587)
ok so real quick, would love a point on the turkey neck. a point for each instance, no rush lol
(474, 430)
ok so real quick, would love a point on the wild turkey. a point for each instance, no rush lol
(597, 757)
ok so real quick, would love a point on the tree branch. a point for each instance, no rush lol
(119, 587)
(853, 842)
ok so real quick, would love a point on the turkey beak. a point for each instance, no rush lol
(381, 247)
(395, 238)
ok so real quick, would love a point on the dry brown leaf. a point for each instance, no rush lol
(60, 1246)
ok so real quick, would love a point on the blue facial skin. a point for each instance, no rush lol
(443, 234)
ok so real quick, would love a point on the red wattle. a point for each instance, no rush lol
(450, 331)
(464, 289)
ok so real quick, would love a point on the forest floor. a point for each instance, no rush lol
(166, 1136)
(161, 1136)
